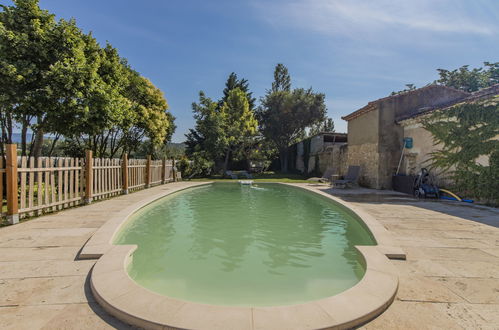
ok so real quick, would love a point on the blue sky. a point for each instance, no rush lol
(353, 51)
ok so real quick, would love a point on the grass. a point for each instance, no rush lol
(262, 177)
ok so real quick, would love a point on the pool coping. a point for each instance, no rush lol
(119, 295)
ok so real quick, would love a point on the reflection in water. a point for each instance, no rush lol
(235, 245)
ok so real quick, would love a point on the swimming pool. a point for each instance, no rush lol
(263, 245)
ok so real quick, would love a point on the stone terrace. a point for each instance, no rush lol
(450, 279)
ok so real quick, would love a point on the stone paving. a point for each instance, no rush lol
(450, 279)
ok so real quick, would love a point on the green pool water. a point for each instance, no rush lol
(227, 244)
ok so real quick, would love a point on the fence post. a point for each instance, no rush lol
(163, 170)
(89, 177)
(11, 177)
(148, 171)
(174, 170)
(124, 170)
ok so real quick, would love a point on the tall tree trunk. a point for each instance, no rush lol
(226, 161)
(37, 145)
(54, 142)
(8, 121)
(24, 133)
(3, 140)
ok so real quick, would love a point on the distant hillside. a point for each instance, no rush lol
(180, 145)
(16, 137)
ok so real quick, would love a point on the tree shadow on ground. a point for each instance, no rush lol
(477, 213)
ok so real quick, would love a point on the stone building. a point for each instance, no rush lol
(376, 135)
(375, 139)
(325, 150)
(423, 145)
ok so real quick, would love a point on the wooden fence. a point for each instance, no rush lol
(36, 186)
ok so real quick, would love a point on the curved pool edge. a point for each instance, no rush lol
(120, 296)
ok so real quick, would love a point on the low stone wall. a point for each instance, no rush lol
(367, 157)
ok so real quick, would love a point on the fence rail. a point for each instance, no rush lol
(36, 186)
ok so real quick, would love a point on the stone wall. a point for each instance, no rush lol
(367, 157)
(334, 157)
(328, 155)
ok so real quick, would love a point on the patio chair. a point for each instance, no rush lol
(231, 174)
(246, 175)
(351, 178)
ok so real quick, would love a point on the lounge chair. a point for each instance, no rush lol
(246, 175)
(351, 178)
(231, 174)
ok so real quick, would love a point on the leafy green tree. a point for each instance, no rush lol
(324, 126)
(57, 80)
(470, 80)
(208, 135)
(126, 109)
(240, 125)
(74, 81)
(26, 54)
(48, 71)
(221, 130)
(282, 79)
(232, 83)
(284, 114)
(466, 133)
(492, 72)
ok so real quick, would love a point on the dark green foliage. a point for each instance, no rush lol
(464, 78)
(282, 79)
(58, 80)
(467, 132)
(232, 83)
(197, 165)
(470, 80)
(285, 114)
(321, 127)
(223, 128)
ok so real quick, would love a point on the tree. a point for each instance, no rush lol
(208, 135)
(470, 80)
(58, 80)
(284, 113)
(71, 81)
(48, 71)
(324, 126)
(125, 117)
(26, 40)
(221, 130)
(232, 83)
(240, 124)
(467, 132)
(282, 80)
